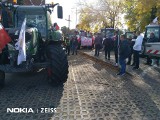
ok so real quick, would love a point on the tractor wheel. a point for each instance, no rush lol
(2, 79)
(58, 70)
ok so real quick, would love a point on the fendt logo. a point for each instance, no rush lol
(20, 110)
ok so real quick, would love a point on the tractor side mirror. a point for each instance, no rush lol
(60, 12)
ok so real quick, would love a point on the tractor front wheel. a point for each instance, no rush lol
(58, 70)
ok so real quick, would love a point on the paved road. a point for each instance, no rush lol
(144, 69)
(92, 92)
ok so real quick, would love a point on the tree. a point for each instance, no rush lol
(112, 9)
(107, 13)
(140, 13)
(104, 13)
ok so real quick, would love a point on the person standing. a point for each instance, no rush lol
(132, 44)
(116, 47)
(74, 44)
(137, 48)
(124, 52)
(67, 42)
(107, 47)
(98, 44)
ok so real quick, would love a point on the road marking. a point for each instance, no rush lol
(79, 100)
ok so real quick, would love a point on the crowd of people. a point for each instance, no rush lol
(71, 44)
(125, 49)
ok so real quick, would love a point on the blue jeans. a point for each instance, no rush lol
(74, 49)
(122, 63)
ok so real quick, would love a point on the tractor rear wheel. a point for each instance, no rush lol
(58, 70)
(2, 79)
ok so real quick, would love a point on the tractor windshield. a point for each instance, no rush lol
(154, 30)
(35, 18)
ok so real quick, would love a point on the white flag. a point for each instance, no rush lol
(21, 44)
(155, 20)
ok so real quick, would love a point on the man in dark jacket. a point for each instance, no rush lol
(132, 51)
(98, 44)
(131, 43)
(124, 52)
(107, 46)
(116, 47)
(74, 44)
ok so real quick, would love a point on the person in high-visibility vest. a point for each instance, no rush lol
(68, 45)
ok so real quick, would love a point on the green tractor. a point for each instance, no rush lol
(43, 44)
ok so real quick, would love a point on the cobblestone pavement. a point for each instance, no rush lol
(142, 72)
(92, 92)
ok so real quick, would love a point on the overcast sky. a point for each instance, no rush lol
(69, 8)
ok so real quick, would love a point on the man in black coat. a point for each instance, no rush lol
(74, 44)
(107, 46)
(115, 44)
(131, 43)
(98, 44)
(132, 51)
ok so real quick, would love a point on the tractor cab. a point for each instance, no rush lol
(152, 48)
(37, 19)
(152, 29)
